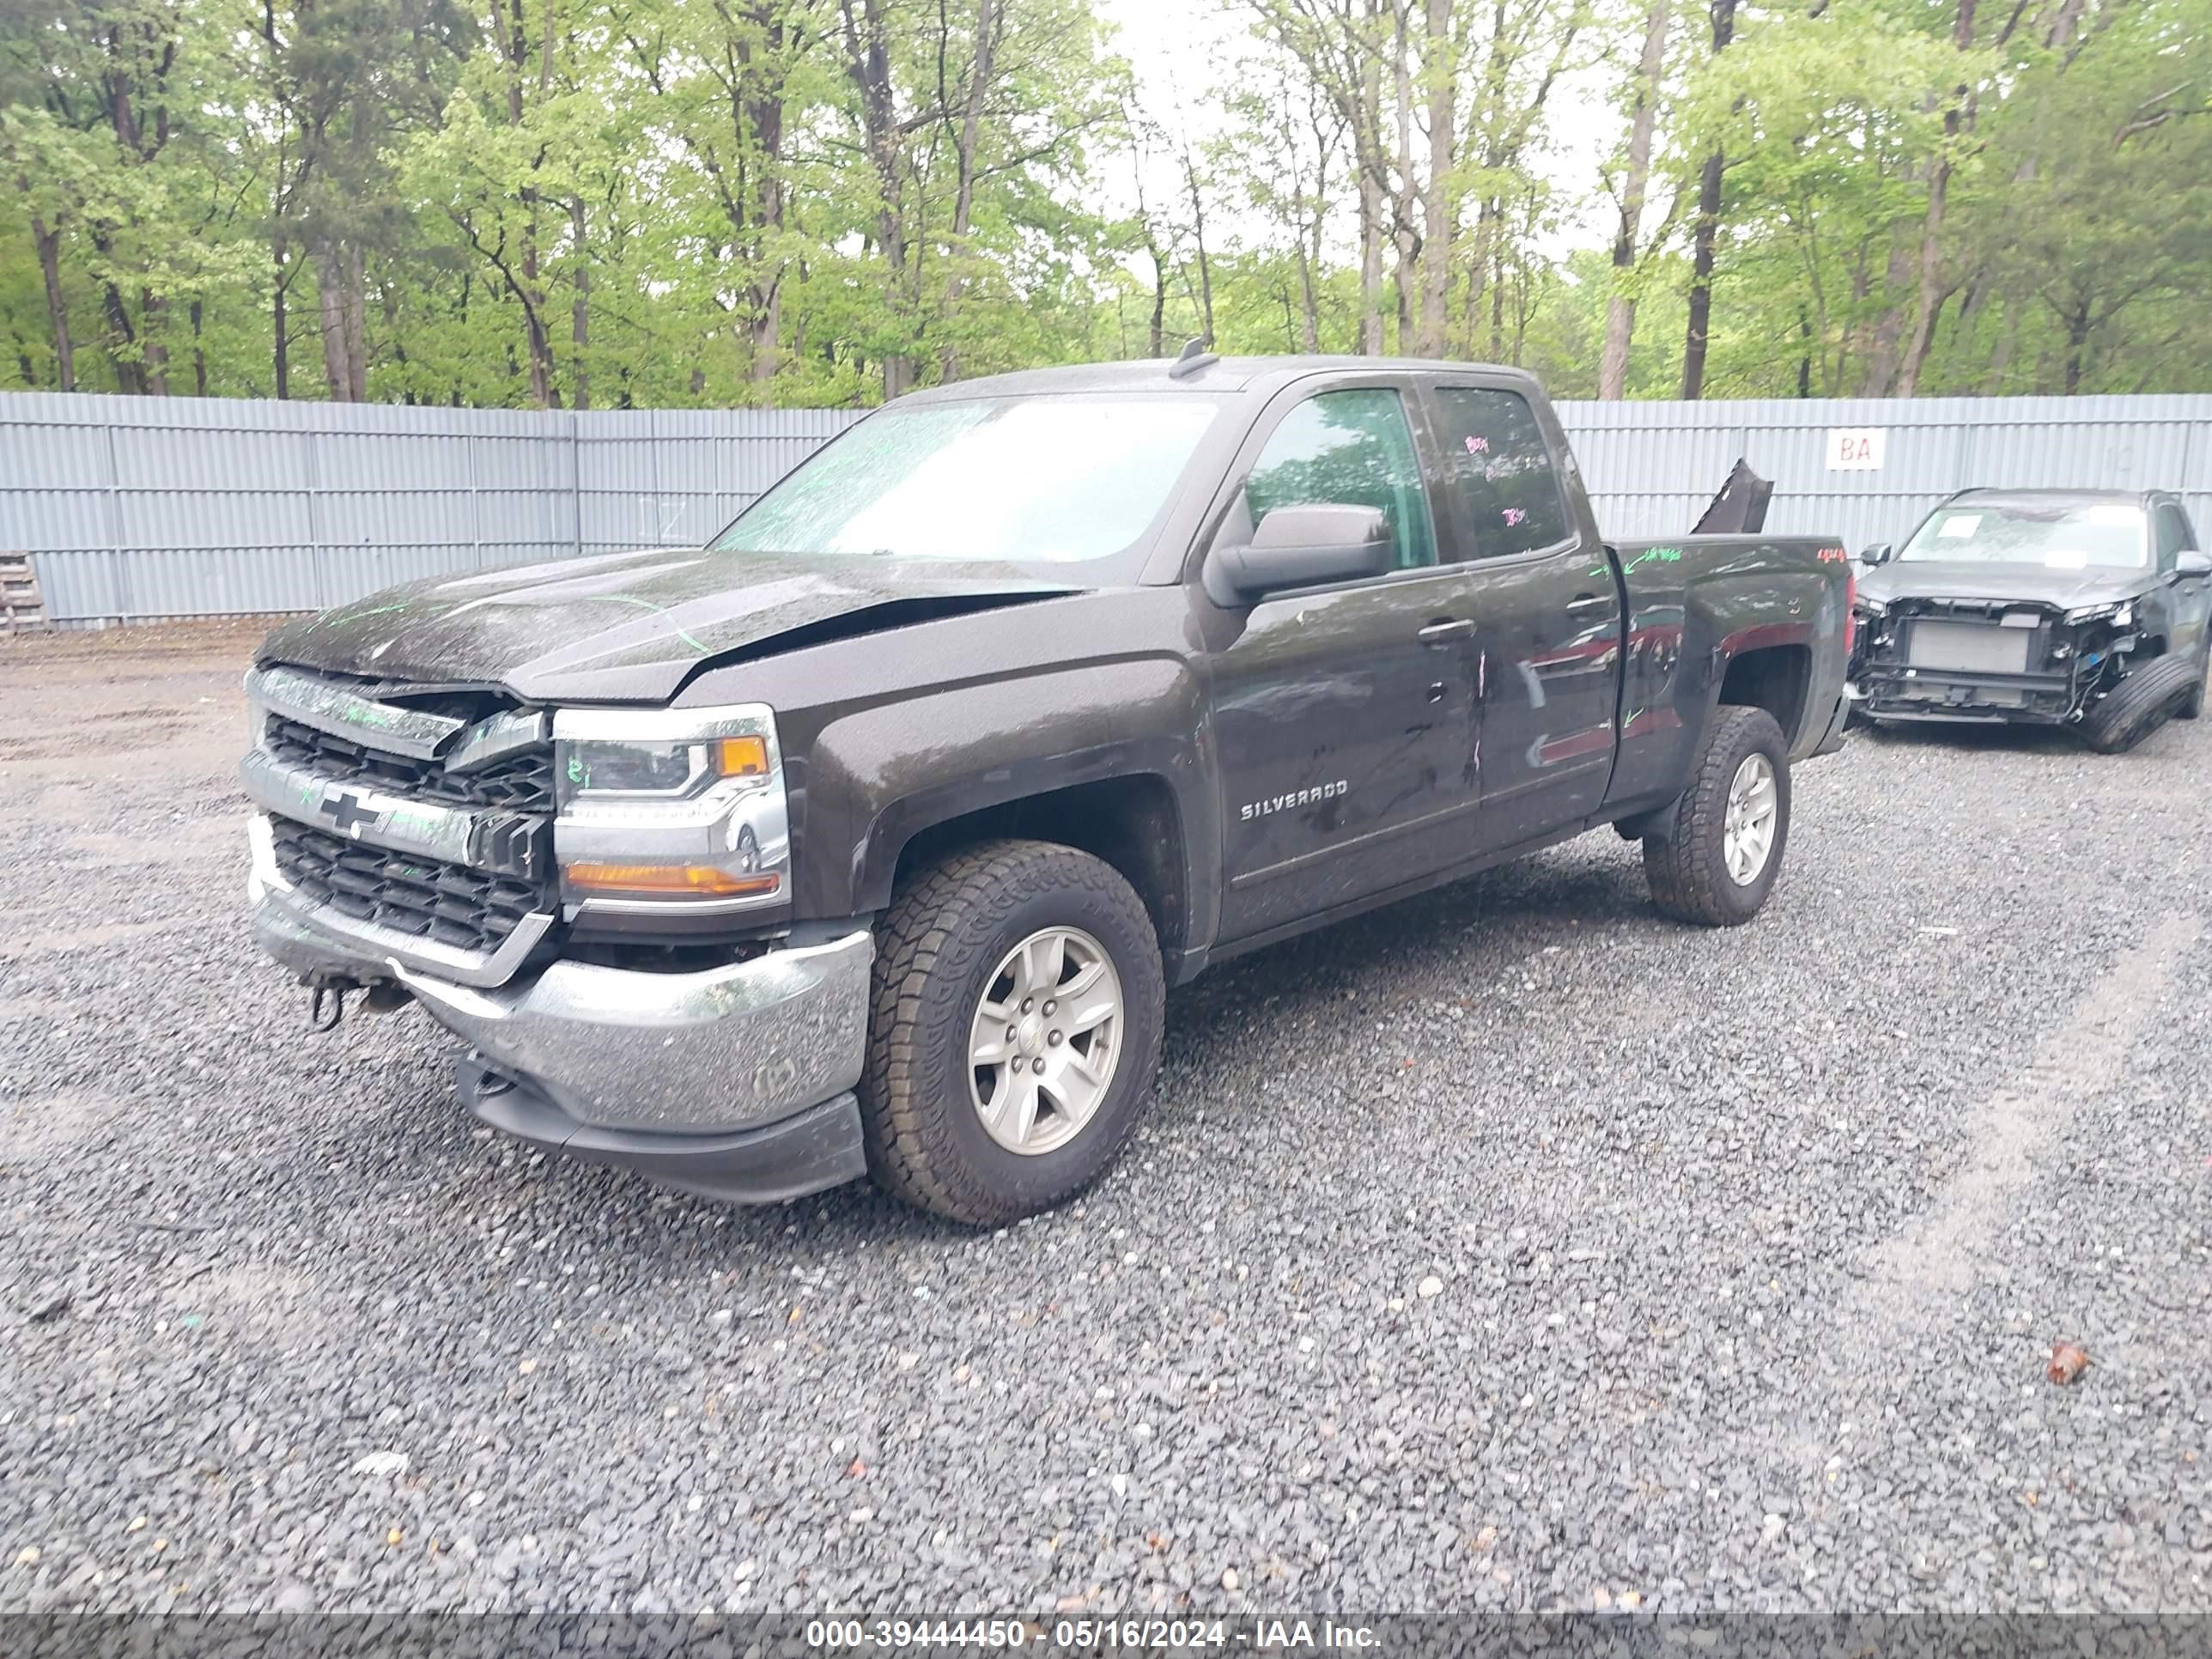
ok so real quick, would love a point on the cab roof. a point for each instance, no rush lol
(1259, 376)
(2050, 501)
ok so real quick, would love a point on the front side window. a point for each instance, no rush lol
(1350, 448)
(1495, 458)
(1026, 480)
(2057, 535)
(2174, 537)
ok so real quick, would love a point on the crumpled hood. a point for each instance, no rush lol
(1935, 579)
(627, 627)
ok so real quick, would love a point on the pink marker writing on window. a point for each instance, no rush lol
(1514, 515)
(1478, 445)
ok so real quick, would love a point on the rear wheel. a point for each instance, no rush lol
(2143, 701)
(1712, 858)
(1018, 995)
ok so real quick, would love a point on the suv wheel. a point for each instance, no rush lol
(1713, 857)
(2141, 702)
(1018, 995)
(2194, 707)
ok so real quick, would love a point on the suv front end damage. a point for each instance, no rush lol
(1986, 660)
(588, 899)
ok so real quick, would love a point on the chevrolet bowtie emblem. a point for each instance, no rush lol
(345, 812)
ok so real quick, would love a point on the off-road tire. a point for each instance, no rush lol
(2144, 700)
(2194, 705)
(1682, 856)
(948, 927)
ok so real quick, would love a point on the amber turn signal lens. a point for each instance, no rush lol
(701, 881)
(742, 757)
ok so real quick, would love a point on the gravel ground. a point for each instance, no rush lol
(1513, 1249)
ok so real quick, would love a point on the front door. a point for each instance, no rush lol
(2189, 599)
(1344, 715)
(1548, 616)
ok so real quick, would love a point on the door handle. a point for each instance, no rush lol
(1443, 633)
(1584, 604)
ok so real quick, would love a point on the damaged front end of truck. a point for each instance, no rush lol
(1988, 659)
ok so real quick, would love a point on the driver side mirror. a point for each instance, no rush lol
(1880, 553)
(2192, 562)
(1302, 546)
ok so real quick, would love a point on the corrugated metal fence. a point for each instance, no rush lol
(142, 507)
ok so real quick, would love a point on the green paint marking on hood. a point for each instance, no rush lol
(657, 610)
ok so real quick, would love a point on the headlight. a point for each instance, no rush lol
(669, 771)
(2119, 615)
(673, 812)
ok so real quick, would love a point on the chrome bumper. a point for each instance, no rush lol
(727, 1049)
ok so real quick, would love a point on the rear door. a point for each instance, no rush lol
(1344, 714)
(1546, 610)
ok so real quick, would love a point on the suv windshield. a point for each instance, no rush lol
(2070, 536)
(1027, 480)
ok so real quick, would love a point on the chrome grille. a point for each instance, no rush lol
(450, 903)
(520, 783)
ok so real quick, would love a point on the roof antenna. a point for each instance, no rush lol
(1194, 356)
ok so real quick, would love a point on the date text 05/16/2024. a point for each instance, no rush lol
(1286, 1636)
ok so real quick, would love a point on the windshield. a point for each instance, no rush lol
(2070, 537)
(1028, 480)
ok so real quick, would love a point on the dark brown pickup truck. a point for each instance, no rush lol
(869, 838)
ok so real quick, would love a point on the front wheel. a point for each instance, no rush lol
(1713, 858)
(1014, 1031)
(2146, 696)
(2194, 707)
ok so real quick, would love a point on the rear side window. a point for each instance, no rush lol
(1496, 462)
(1351, 448)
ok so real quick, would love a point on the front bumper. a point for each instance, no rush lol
(686, 1077)
(1893, 691)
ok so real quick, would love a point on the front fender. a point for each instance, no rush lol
(877, 777)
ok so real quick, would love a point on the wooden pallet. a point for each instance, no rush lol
(21, 611)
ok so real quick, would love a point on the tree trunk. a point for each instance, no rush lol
(1309, 255)
(1621, 308)
(1198, 232)
(1159, 303)
(50, 268)
(1706, 236)
(1701, 278)
(1406, 279)
(2078, 344)
(1437, 225)
(963, 197)
(130, 367)
(766, 115)
(1882, 354)
(155, 310)
(531, 294)
(344, 309)
(199, 351)
(580, 311)
(281, 324)
(1367, 144)
(1310, 319)
(867, 49)
(1932, 293)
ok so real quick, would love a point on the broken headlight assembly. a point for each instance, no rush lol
(2120, 614)
(678, 814)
